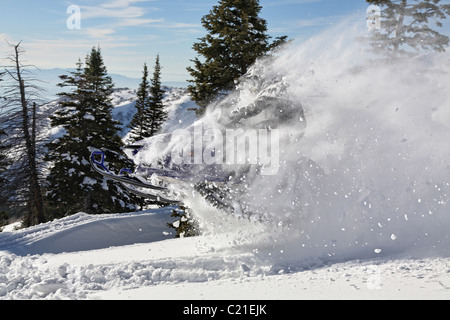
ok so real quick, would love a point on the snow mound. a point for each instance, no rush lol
(84, 232)
(211, 267)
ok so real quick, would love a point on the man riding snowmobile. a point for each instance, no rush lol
(219, 155)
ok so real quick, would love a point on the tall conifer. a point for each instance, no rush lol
(236, 37)
(139, 122)
(85, 115)
(156, 113)
(406, 27)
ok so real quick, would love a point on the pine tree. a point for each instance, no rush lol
(405, 27)
(85, 115)
(236, 38)
(156, 114)
(185, 225)
(65, 182)
(139, 122)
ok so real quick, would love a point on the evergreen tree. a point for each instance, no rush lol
(185, 225)
(139, 122)
(65, 182)
(236, 38)
(156, 114)
(85, 115)
(405, 27)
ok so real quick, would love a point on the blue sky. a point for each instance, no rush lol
(131, 32)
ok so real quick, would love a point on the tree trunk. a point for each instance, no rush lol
(36, 206)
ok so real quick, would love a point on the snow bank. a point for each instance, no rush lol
(206, 267)
(83, 232)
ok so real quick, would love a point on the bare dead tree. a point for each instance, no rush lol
(20, 119)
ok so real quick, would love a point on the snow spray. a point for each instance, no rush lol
(370, 173)
(363, 170)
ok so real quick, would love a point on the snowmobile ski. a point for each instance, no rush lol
(152, 197)
(214, 192)
(100, 168)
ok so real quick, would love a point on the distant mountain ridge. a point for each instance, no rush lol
(49, 79)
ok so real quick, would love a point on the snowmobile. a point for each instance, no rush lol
(258, 105)
(129, 182)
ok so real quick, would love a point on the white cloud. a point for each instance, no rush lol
(287, 2)
(122, 11)
(122, 3)
(64, 53)
(98, 32)
(89, 12)
(114, 9)
(137, 22)
(313, 22)
(181, 25)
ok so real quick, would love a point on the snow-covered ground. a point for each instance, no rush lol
(134, 256)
